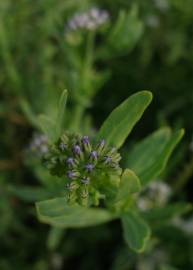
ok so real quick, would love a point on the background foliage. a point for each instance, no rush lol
(152, 49)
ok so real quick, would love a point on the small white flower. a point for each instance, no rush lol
(162, 5)
(152, 21)
(89, 20)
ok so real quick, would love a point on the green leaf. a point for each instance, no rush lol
(127, 30)
(161, 214)
(30, 194)
(136, 231)
(53, 128)
(28, 112)
(58, 213)
(149, 157)
(54, 237)
(129, 184)
(121, 121)
(48, 127)
(61, 110)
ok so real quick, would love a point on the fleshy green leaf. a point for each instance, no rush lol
(149, 157)
(58, 213)
(136, 231)
(129, 184)
(121, 121)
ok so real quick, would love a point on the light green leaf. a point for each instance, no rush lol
(28, 112)
(53, 128)
(58, 213)
(48, 127)
(136, 231)
(129, 184)
(149, 157)
(61, 110)
(121, 121)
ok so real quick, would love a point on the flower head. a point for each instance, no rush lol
(83, 163)
(88, 20)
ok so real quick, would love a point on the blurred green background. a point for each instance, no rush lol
(143, 45)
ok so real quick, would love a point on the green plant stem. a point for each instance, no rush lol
(84, 96)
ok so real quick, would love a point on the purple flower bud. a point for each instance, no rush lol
(85, 140)
(85, 180)
(76, 149)
(107, 159)
(94, 155)
(101, 142)
(71, 174)
(89, 167)
(70, 161)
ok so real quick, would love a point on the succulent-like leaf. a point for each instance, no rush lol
(58, 213)
(121, 121)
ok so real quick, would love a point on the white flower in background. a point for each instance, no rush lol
(162, 5)
(152, 21)
(88, 20)
(39, 144)
(157, 194)
(185, 225)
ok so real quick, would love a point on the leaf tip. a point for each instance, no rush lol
(148, 94)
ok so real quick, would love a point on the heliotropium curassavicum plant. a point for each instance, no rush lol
(96, 189)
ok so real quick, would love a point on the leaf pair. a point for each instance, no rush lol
(147, 160)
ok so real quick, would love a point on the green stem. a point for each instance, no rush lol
(84, 95)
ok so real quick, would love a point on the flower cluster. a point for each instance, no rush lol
(89, 20)
(81, 164)
(39, 144)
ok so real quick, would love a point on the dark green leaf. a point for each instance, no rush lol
(30, 194)
(54, 237)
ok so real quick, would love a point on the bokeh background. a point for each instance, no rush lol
(144, 45)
